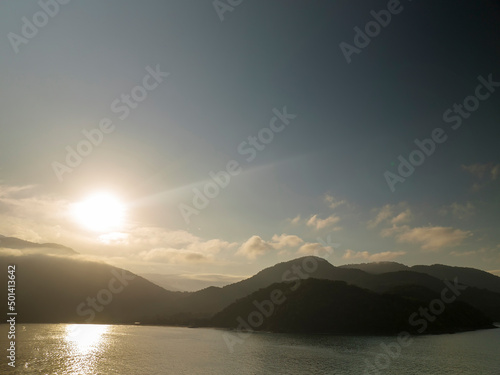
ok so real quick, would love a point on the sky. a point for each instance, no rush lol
(233, 135)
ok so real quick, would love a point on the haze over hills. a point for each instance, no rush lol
(190, 283)
(469, 276)
(378, 267)
(56, 289)
(32, 247)
(64, 288)
(324, 306)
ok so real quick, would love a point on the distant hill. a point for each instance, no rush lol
(213, 299)
(189, 283)
(28, 247)
(50, 288)
(378, 267)
(323, 306)
(470, 276)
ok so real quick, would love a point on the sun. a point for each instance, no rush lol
(100, 212)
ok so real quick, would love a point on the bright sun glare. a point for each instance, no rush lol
(100, 212)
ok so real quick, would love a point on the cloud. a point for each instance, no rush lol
(333, 202)
(495, 171)
(429, 238)
(295, 220)
(485, 172)
(458, 211)
(376, 257)
(488, 170)
(401, 217)
(285, 240)
(31, 216)
(314, 249)
(8, 191)
(155, 244)
(463, 253)
(317, 223)
(114, 238)
(395, 214)
(160, 237)
(255, 246)
(162, 255)
(383, 214)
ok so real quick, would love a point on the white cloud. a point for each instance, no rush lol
(163, 255)
(458, 211)
(295, 220)
(485, 172)
(160, 237)
(334, 202)
(383, 214)
(314, 248)
(395, 214)
(495, 172)
(429, 238)
(155, 244)
(285, 240)
(463, 253)
(376, 257)
(401, 217)
(31, 216)
(317, 223)
(254, 247)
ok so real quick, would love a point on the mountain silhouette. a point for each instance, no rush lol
(65, 288)
(324, 306)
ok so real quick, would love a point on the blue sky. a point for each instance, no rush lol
(325, 169)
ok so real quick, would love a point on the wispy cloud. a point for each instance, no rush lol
(255, 246)
(175, 256)
(375, 257)
(495, 272)
(395, 214)
(429, 238)
(314, 249)
(26, 214)
(317, 223)
(402, 217)
(488, 170)
(458, 211)
(285, 240)
(176, 246)
(334, 202)
(485, 173)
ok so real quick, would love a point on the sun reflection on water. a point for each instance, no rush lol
(85, 338)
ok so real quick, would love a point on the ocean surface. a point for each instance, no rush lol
(135, 350)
